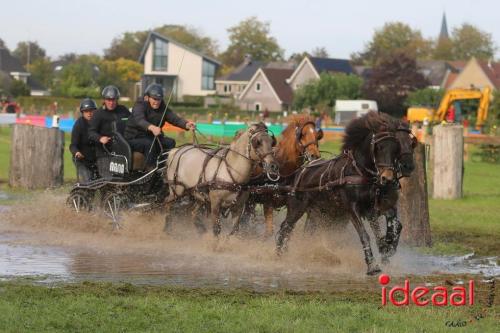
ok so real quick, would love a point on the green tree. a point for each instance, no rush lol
(19, 88)
(468, 41)
(320, 52)
(251, 37)
(394, 37)
(41, 70)
(31, 49)
(129, 44)
(494, 110)
(392, 79)
(298, 56)
(123, 73)
(322, 93)
(79, 78)
(425, 97)
(443, 50)
(2, 44)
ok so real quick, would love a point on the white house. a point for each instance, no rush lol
(177, 67)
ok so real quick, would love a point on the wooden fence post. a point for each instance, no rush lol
(413, 205)
(447, 161)
(36, 157)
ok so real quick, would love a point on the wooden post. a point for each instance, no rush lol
(36, 157)
(447, 155)
(413, 204)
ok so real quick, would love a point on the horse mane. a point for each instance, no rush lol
(258, 127)
(296, 121)
(358, 129)
(287, 145)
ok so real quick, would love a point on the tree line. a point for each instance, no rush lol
(391, 53)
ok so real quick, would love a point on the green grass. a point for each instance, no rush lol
(470, 224)
(91, 307)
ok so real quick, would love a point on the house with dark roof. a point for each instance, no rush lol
(439, 72)
(235, 82)
(268, 90)
(310, 68)
(177, 67)
(12, 69)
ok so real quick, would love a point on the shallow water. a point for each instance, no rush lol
(48, 243)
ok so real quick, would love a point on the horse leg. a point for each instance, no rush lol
(365, 240)
(394, 228)
(268, 215)
(246, 215)
(215, 217)
(295, 209)
(312, 222)
(237, 212)
(197, 215)
(377, 232)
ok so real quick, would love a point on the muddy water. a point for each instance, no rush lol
(42, 239)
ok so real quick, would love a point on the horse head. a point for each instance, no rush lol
(261, 145)
(306, 138)
(372, 140)
(408, 142)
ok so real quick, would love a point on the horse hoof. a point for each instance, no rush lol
(373, 270)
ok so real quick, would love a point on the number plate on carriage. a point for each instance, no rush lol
(116, 167)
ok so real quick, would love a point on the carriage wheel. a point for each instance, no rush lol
(113, 205)
(80, 200)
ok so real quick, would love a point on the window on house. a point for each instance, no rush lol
(160, 55)
(257, 107)
(225, 88)
(208, 75)
(258, 86)
(229, 88)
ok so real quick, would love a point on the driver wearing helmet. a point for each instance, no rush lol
(146, 122)
(81, 147)
(101, 129)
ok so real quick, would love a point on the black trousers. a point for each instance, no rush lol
(85, 170)
(143, 145)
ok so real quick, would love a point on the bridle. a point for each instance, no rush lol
(403, 150)
(252, 135)
(298, 136)
(379, 167)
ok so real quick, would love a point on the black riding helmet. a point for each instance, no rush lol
(154, 90)
(87, 104)
(110, 92)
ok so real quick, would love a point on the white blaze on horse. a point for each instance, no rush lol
(216, 176)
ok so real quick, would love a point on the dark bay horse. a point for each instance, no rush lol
(346, 186)
(387, 197)
(298, 144)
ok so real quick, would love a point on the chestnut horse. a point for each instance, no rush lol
(298, 144)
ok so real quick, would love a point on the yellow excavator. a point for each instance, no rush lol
(419, 114)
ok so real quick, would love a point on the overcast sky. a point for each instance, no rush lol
(343, 27)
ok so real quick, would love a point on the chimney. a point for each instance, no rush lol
(248, 59)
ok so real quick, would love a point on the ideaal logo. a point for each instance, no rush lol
(459, 296)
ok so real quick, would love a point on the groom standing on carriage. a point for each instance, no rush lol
(145, 124)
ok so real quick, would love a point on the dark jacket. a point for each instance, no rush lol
(100, 124)
(80, 140)
(143, 115)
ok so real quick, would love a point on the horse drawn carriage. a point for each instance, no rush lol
(362, 183)
(121, 182)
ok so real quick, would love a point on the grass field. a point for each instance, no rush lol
(90, 307)
(471, 224)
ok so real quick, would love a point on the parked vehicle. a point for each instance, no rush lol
(347, 110)
(419, 114)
